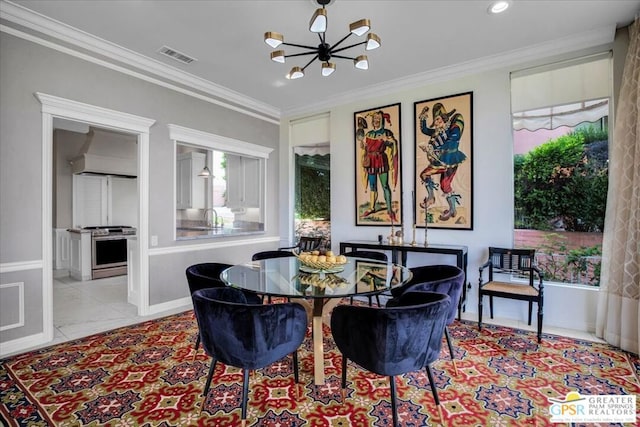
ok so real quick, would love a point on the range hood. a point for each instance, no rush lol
(107, 152)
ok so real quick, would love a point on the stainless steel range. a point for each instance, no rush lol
(109, 250)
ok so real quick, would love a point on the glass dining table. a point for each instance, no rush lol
(318, 290)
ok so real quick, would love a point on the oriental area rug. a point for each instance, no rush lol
(146, 375)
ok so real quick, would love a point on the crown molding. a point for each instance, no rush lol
(183, 81)
(589, 39)
(20, 15)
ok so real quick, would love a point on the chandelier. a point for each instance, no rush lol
(324, 52)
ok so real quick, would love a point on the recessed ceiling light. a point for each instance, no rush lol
(499, 6)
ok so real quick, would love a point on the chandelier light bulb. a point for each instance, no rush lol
(278, 56)
(360, 27)
(318, 23)
(373, 41)
(328, 68)
(295, 73)
(273, 39)
(361, 62)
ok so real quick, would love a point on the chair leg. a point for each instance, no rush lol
(491, 305)
(435, 392)
(370, 300)
(540, 314)
(296, 376)
(245, 395)
(350, 300)
(394, 408)
(212, 368)
(480, 312)
(378, 300)
(446, 334)
(530, 310)
(344, 377)
(295, 367)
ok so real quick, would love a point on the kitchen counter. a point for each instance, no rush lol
(78, 230)
(191, 233)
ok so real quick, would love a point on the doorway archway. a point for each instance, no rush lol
(56, 107)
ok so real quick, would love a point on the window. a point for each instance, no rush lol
(313, 192)
(560, 125)
(227, 200)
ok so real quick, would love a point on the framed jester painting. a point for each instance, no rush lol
(443, 157)
(378, 168)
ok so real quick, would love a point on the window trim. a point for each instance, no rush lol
(217, 142)
(186, 136)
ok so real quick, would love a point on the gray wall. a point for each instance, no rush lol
(27, 68)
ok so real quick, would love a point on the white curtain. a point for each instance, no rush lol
(618, 314)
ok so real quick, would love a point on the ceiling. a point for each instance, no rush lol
(422, 41)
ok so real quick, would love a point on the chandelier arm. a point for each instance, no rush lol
(309, 63)
(315, 52)
(342, 57)
(314, 48)
(332, 51)
(340, 41)
(322, 37)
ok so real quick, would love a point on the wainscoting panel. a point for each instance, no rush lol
(11, 305)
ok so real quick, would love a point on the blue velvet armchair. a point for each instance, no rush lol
(247, 336)
(446, 279)
(207, 275)
(393, 341)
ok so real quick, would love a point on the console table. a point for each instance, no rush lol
(460, 253)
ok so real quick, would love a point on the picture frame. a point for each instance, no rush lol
(378, 166)
(443, 152)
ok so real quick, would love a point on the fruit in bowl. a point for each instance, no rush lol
(322, 260)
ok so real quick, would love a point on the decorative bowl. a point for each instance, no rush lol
(309, 263)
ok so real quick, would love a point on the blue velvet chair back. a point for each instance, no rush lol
(379, 256)
(205, 275)
(271, 254)
(445, 279)
(396, 340)
(249, 336)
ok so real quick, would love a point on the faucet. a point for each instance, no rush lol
(215, 216)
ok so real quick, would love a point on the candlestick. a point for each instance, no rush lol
(392, 236)
(413, 242)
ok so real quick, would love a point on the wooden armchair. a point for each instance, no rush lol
(513, 275)
(305, 244)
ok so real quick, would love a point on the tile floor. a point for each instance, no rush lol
(81, 309)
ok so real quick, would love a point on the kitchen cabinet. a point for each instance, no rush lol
(80, 254)
(190, 191)
(104, 200)
(243, 179)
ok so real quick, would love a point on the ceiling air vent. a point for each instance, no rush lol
(174, 54)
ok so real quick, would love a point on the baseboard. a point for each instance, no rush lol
(170, 305)
(20, 345)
